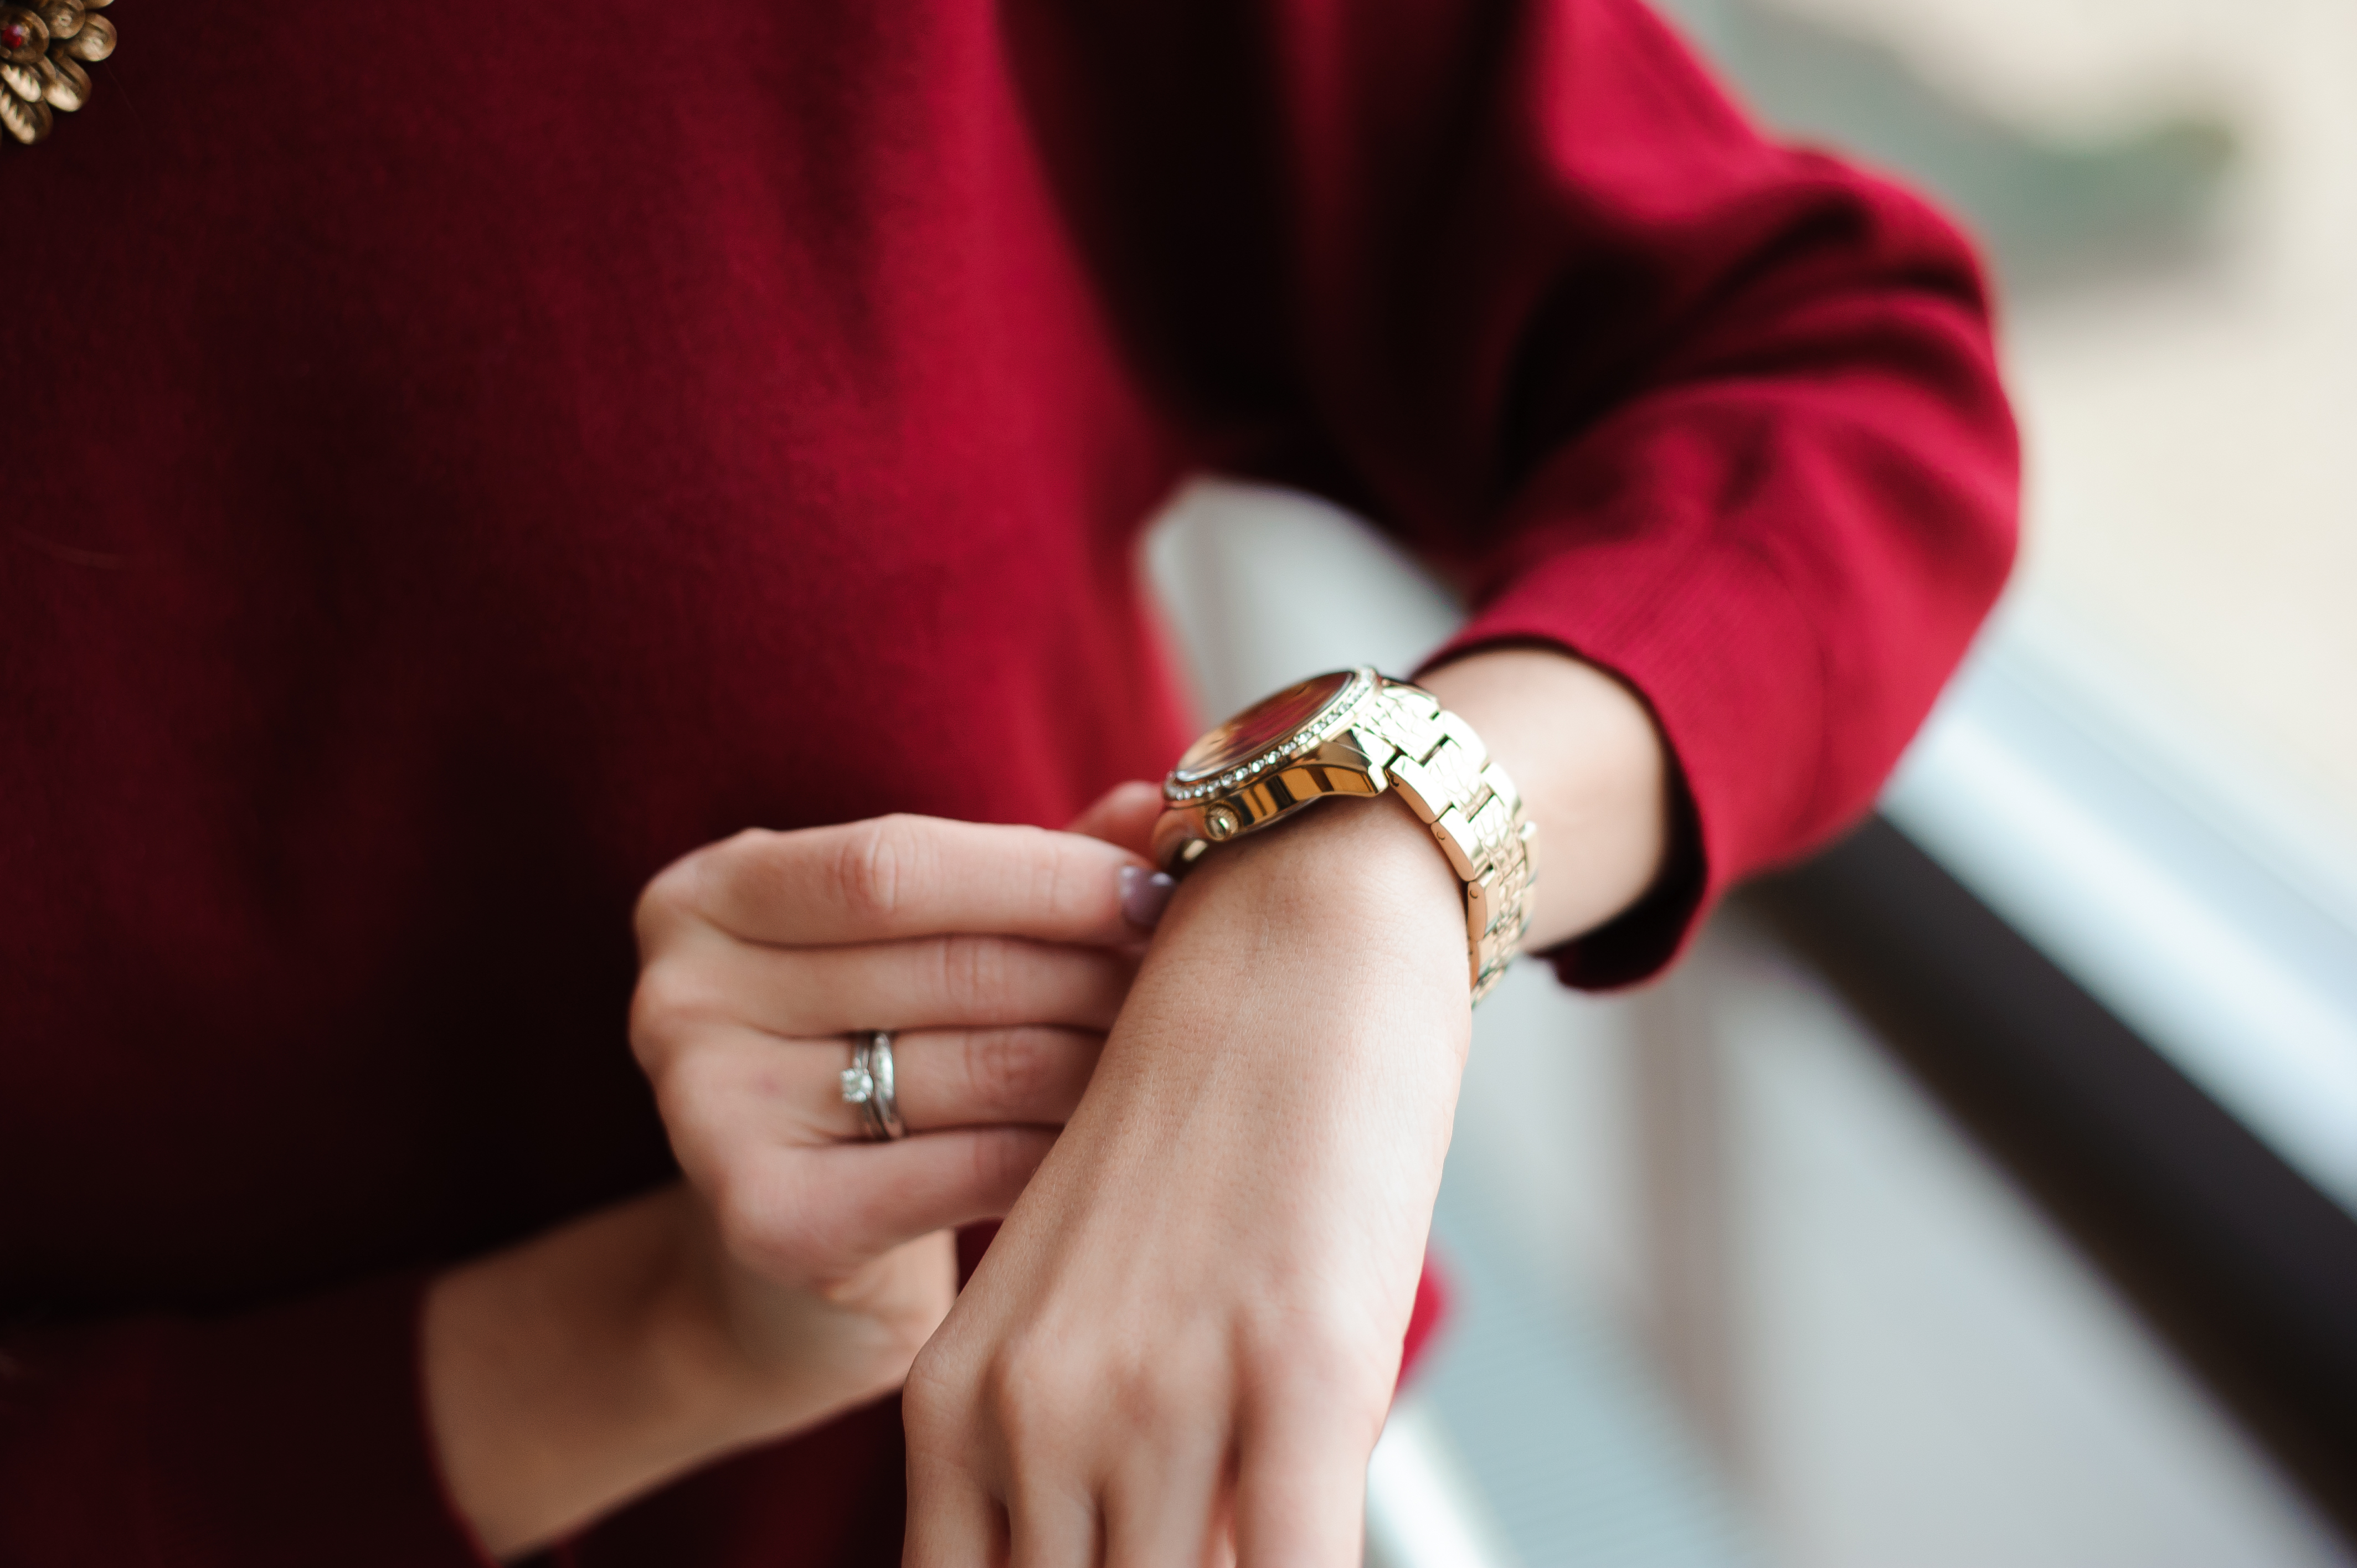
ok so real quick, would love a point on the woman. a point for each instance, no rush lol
(471, 466)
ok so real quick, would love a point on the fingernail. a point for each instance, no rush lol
(1144, 895)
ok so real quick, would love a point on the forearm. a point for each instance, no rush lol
(576, 1370)
(545, 1396)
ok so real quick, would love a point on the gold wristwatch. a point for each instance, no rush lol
(1355, 733)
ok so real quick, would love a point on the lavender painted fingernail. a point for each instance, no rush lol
(1143, 896)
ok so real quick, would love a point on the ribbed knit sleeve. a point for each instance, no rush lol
(1518, 280)
(285, 1438)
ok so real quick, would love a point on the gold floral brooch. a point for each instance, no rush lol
(43, 52)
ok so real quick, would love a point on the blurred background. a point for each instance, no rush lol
(1984, 1192)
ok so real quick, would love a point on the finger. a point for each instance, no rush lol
(739, 1090)
(953, 1520)
(741, 1086)
(971, 1078)
(820, 1213)
(1166, 1505)
(899, 876)
(934, 982)
(1301, 1486)
(1053, 1527)
(931, 982)
(1124, 815)
(969, 982)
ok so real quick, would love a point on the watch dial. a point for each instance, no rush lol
(1260, 726)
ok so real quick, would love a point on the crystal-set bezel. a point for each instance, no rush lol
(1324, 726)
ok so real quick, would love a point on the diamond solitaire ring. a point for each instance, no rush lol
(867, 1083)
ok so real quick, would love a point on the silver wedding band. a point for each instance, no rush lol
(867, 1083)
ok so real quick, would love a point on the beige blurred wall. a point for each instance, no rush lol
(2190, 421)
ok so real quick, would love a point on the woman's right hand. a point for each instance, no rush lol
(998, 956)
(800, 1268)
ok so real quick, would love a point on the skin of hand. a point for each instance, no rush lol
(796, 1270)
(1183, 1343)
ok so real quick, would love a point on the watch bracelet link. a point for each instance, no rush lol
(1440, 768)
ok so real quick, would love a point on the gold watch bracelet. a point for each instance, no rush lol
(1380, 736)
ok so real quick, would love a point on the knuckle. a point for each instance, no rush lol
(1035, 1392)
(663, 901)
(672, 994)
(658, 1016)
(683, 1098)
(754, 1228)
(936, 1398)
(975, 973)
(750, 866)
(1154, 1395)
(1055, 881)
(657, 905)
(1009, 1069)
(878, 867)
(1339, 1364)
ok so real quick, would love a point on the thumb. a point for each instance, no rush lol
(1124, 816)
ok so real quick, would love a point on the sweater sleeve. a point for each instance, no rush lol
(115, 1442)
(1519, 281)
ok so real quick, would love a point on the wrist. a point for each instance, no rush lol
(699, 1376)
(1286, 1071)
(1346, 928)
(568, 1373)
(1363, 873)
(1594, 773)
(731, 1358)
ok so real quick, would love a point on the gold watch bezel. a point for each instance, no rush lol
(1321, 757)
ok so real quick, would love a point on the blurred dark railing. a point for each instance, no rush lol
(2236, 1258)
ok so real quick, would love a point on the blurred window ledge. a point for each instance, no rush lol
(2211, 913)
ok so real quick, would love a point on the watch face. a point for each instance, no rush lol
(1261, 728)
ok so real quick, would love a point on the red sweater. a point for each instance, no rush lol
(461, 459)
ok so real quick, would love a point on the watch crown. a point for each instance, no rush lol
(1222, 821)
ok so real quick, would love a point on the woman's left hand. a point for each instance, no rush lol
(1188, 1333)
